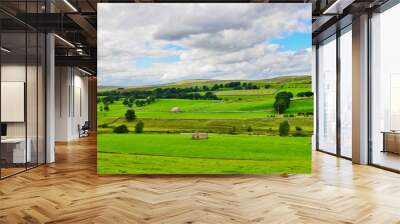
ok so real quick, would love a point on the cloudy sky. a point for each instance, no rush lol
(147, 44)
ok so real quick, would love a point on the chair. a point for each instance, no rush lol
(84, 130)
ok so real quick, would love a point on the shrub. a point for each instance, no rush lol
(291, 115)
(210, 96)
(299, 132)
(305, 94)
(121, 129)
(301, 94)
(106, 108)
(250, 129)
(130, 115)
(103, 126)
(284, 128)
(233, 130)
(308, 94)
(139, 127)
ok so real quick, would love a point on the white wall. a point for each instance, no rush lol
(71, 102)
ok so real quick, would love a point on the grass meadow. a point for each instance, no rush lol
(243, 130)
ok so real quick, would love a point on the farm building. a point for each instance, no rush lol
(175, 110)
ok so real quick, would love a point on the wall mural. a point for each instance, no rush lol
(204, 88)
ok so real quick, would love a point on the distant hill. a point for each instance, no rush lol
(209, 82)
(106, 88)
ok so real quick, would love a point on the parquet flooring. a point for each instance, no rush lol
(70, 191)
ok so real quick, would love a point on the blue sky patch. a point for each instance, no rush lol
(174, 47)
(293, 42)
(146, 62)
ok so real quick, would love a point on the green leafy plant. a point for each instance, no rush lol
(130, 115)
(284, 128)
(121, 129)
(139, 127)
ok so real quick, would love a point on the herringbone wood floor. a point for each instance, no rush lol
(70, 191)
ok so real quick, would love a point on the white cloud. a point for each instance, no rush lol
(224, 41)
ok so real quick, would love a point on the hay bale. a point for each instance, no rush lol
(175, 110)
(199, 136)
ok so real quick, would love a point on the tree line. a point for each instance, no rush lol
(282, 100)
(178, 93)
(159, 93)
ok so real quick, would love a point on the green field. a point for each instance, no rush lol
(242, 124)
(177, 154)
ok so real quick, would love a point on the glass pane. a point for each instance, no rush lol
(327, 96)
(346, 94)
(41, 98)
(13, 86)
(385, 86)
(31, 98)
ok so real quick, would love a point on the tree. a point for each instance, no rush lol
(121, 129)
(305, 94)
(210, 96)
(249, 129)
(108, 100)
(101, 108)
(215, 87)
(125, 102)
(282, 101)
(139, 127)
(106, 108)
(130, 115)
(308, 94)
(280, 105)
(284, 128)
(140, 103)
(232, 85)
(267, 86)
(301, 94)
(150, 99)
